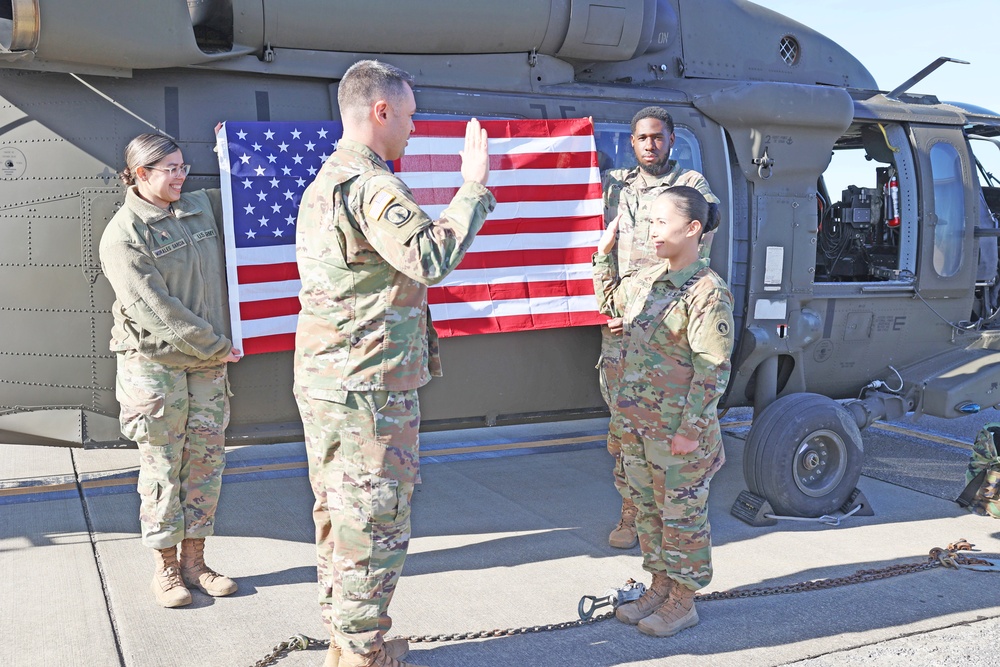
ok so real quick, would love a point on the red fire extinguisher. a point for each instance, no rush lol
(893, 217)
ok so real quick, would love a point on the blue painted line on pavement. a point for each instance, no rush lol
(283, 467)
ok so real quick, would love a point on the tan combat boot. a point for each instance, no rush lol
(167, 585)
(624, 536)
(381, 657)
(655, 595)
(395, 648)
(674, 615)
(196, 573)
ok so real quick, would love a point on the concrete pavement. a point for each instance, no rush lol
(497, 542)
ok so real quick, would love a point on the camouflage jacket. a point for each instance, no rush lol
(631, 192)
(168, 272)
(677, 343)
(366, 254)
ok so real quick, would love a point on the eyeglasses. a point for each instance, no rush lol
(173, 172)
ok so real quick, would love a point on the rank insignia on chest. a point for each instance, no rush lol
(164, 235)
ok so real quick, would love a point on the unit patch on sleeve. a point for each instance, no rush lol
(397, 214)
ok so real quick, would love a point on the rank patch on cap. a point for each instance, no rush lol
(397, 214)
(379, 203)
(722, 327)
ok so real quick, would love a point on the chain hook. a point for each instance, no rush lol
(584, 611)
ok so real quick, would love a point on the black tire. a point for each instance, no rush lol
(804, 455)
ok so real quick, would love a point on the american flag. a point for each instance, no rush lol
(528, 268)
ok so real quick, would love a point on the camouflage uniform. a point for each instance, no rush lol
(631, 192)
(171, 322)
(178, 417)
(364, 344)
(677, 342)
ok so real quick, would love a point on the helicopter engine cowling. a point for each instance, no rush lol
(170, 34)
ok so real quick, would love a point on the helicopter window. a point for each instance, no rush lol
(949, 208)
(788, 48)
(614, 147)
(867, 213)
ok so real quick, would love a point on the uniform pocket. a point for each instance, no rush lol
(362, 600)
(139, 408)
(991, 485)
(150, 490)
(226, 403)
(152, 503)
(380, 477)
(385, 505)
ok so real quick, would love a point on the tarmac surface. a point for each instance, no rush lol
(510, 529)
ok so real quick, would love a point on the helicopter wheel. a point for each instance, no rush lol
(804, 455)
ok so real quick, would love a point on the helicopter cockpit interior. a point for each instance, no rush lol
(986, 153)
(867, 208)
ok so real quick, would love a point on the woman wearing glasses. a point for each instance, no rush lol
(164, 256)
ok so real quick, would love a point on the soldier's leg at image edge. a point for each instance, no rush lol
(154, 410)
(321, 421)
(610, 370)
(680, 489)
(203, 462)
(641, 480)
(204, 457)
(623, 535)
(679, 486)
(154, 406)
(368, 486)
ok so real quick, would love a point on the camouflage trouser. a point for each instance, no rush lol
(178, 417)
(363, 464)
(610, 373)
(671, 493)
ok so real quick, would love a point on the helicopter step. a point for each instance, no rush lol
(956, 383)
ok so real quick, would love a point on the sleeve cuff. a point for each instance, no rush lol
(692, 430)
(601, 260)
(482, 193)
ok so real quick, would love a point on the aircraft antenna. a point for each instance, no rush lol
(122, 107)
(919, 76)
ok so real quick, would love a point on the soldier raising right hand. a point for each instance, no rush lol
(366, 253)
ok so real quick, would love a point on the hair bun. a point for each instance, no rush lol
(713, 218)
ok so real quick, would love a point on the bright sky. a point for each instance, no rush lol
(896, 40)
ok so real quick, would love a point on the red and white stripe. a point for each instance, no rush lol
(528, 268)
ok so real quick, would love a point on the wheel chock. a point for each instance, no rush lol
(856, 498)
(752, 509)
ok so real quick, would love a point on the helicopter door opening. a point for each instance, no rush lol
(986, 152)
(868, 208)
